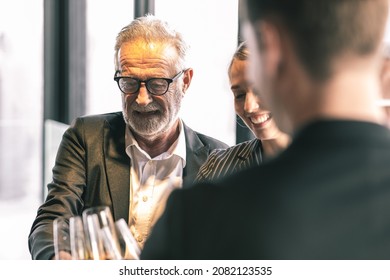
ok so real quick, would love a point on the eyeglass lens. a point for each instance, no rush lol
(154, 86)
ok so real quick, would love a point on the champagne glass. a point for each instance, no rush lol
(129, 248)
(77, 238)
(61, 238)
(101, 237)
(68, 237)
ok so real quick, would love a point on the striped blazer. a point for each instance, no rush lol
(224, 162)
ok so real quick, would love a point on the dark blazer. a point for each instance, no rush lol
(224, 162)
(92, 169)
(327, 196)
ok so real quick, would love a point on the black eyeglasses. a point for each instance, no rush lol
(155, 86)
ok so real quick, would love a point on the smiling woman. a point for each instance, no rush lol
(269, 139)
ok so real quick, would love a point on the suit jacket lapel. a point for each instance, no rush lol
(118, 163)
(117, 167)
(196, 155)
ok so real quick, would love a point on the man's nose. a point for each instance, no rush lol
(143, 96)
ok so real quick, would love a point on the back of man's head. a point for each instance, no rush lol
(322, 30)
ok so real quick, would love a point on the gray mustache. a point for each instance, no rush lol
(148, 108)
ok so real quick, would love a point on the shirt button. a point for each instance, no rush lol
(145, 198)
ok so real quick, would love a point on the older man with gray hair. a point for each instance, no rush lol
(129, 160)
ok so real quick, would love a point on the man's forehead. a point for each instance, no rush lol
(150, 46)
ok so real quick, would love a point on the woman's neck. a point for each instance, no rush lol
(272, 147)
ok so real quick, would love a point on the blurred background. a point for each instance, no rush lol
(56, 63)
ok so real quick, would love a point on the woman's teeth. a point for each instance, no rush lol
(260, 119)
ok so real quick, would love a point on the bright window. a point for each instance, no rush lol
(21, 115)
(104, 21)
(208, 104)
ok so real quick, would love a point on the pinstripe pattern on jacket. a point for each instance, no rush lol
(224, 162)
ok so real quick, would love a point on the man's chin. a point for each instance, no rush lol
(145, 130)
(149, 123)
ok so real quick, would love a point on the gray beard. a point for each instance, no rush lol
(146, 127)
(152, 126)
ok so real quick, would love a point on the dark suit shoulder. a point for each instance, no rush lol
(91, 124)
(212, 142)
(207, 141)
(100, 118)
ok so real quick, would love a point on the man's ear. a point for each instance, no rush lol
(271, 45)
(187, 79)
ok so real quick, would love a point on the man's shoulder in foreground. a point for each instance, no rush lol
(288, 208)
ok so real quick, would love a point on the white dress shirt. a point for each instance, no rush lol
(151, 182)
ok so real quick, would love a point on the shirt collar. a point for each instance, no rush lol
(178, 147)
